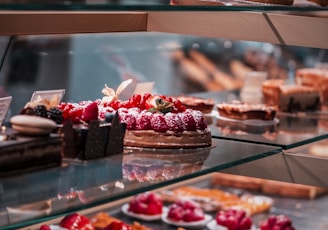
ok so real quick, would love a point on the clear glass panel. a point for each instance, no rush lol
(78, 185)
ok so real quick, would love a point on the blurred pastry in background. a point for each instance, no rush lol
(196, 67)
(290, 98)
(261, 61)
(314, 77)
(205, 105)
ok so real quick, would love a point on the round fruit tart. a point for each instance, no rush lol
(154, 121)
(186, 213)
(231, 219)
(279, 222)
(146, 206)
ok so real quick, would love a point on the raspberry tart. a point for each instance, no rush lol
(155, 121)
(186, 213)
(231, 219)
(145, 206)
(279, 222)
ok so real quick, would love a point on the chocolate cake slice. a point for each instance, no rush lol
(29, 153)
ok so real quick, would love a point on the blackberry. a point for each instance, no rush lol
(56, 115)
(40, 110)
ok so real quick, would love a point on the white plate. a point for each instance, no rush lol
(195, 224)
(212, 225)
(125, 210)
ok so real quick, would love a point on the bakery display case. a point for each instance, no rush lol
(82, 45)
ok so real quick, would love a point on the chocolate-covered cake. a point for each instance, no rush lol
(21, 154)
(93, 141)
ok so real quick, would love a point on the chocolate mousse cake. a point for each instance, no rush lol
(244, 111)
(290, 98)
(316, 78)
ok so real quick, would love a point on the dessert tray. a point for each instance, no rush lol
(125, 210)
(212, 225)
(196, 224)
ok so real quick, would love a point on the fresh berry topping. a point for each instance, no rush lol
(188, 121)
(178, 107)
(148, 203)
(41, 111)
(56, 115)
(174, 122)
(199, 119)
(74, 114)
(233, 219)
(135, 100)
(158, 123)
(143, 121)
(90, 112)
(45, 227)
(115, 225)
(185, 210)
(76, 222)
(279, 222)
(127, 118)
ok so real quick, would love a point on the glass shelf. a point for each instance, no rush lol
(76, 186)
(289, 131)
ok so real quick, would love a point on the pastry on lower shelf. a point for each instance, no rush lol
(244, 111)
(103, 220)
(291, 98)
(268, 186)
(277, 222)
(216, 199)
(185, 210)
(237, 181)
(233, 219)
(147, 203)
(316, 78)
(205, 105)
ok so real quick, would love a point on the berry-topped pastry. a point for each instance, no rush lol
(279, 222)
(233, 219)
(185, 211)
(155, 121)
(146, 205)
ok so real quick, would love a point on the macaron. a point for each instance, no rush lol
(32, 125)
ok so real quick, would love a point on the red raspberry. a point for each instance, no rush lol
(90, 112)
(199, 119)
(143, 100)
(178, 107)
(76, 222)
(158, 123)
(75, 115)
(188, 121)
(127, 118)
(143, 121)
(135, 100)
(115, 225)
(45, 227)
(174, 122)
